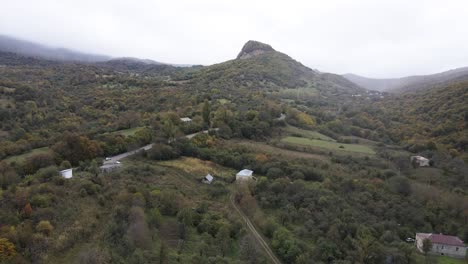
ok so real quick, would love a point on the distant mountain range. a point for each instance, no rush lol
(410, 83)
(26, 48)
(32, 49)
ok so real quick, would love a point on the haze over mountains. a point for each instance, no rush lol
(32, 49)
(410, 83)
(252, 48)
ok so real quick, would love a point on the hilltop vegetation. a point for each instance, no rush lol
(334, 181)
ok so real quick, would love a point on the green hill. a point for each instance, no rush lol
(334, 182)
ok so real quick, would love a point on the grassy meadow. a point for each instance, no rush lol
(334, 146)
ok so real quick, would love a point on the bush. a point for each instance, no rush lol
(46, 174)
(162, 152)
(274, 173)
(90, 188)
(45, 227)
(40, 200)
(400, 184)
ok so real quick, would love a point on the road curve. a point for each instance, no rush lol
(111, 162)
(255, 233)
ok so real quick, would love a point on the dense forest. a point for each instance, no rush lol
(334, 182)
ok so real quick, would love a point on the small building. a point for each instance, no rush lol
(419, 161)
(186, 119)
(67, 174)
(444, 245)
(208, 179)
(244, 175)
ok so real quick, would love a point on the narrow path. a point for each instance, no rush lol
(255, 233)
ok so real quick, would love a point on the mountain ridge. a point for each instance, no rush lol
(410, 83)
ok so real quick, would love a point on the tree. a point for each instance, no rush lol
(206, 112)
(163, 254)
(407, 251)
(27, 210)
(7, 250)
(400, 184)
(154, 218)
(42, 160)
(138, 231)
(65, 165)
(223, 239)
(45, 227)
(426, 246)
(169, 130)
(249, 250)
(75, 148)
(8, 175)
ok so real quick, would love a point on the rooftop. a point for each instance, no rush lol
(245, 172)
(443, 239)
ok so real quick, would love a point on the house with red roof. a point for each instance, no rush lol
(451, 246)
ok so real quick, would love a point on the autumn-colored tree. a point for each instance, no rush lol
(261, 157)
(41, 160)
(45, 227)
(75, 148)
(7, 250)
(27, 210)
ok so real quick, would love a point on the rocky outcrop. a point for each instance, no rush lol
(253, 48)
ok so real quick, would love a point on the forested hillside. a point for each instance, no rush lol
(334, 182)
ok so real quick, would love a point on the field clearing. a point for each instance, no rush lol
(272, 150)
(199, 168)
(308, 133)
(329, 145)
(22, 157)
(127, 132)
(360, 140)
(298, 93)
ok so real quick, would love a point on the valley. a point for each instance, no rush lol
(333, 179)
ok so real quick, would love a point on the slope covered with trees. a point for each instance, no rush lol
(313, 204)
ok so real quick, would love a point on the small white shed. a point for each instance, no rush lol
(420, 161)
(208, 179)
(244, 174)
(186, 119)
(67, 174)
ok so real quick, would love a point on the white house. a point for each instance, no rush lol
(67, 174)
(186, 119)
(444, 245)
(420, 161)
(244, 175)
(208, 179)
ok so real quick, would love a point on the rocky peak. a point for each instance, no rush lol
(253, 48)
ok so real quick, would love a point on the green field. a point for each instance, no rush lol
(420, 259)
(24, 156)
(307, 133)
(328, 145)
(128, 132)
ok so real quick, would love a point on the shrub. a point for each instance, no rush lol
(400, 184)
(274, 173)
(162, 152)
(45, 227)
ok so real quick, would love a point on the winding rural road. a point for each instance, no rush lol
(255, 233)
(111, 162)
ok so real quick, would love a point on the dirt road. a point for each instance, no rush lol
(255, 233)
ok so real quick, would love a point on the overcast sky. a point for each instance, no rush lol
(368, 37)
